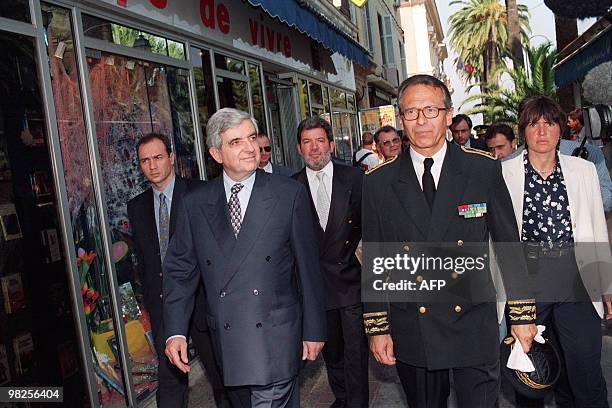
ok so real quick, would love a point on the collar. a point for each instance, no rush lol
(438, 157)
(268, 167)
(167, 191)
(247, 183)
(328, 170)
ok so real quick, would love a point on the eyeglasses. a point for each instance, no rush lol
(266, 149)
(430, 112)
(395, 141)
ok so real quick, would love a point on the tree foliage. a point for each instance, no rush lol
(479, 35)
(500, 104)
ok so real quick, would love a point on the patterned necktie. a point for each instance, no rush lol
(429, 187)
(164, 225)
(322, 201)
(234, 209)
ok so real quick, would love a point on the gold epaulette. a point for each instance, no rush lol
(478, 151)
(381, 165)
(522, 311)
(376, 323)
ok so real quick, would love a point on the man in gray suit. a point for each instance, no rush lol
(265, 152)
(248, 236)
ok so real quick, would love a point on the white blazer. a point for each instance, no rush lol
(592, 246)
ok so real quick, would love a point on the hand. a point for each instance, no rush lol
(311, 349)
(176, 351)
(382, 348)
(607, 299)
(525, 334)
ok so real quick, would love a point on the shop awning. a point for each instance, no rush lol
(578, 64)
(291, 13)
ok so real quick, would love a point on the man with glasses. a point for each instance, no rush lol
(388, 141)
(424, 192)
(265, 152)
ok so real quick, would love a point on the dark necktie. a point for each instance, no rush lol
(234, 209)
(164, 225)
(429, 187)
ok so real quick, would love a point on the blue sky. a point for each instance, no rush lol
(542, 23)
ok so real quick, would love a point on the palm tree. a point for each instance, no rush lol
(479, 35)
(514, 36)
(500, 104)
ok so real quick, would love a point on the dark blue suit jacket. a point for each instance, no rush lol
(282, 170)
(265, 291)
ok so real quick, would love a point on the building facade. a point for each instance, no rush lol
(81, 82)
(424, 45)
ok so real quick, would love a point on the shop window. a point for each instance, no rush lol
(101, 29)
(86, 233)
(232, 94)
(338, 98)
(229, 64)
(202, 71)
(350, 100)
(316, 95)
(259, 112)
(38, 338)
(326, 101)
(130, 99)
(303, 98)
(16, 10)
(343, 129)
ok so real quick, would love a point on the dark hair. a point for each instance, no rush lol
(458, 119)
(536, 107)
(576, 114)
(428, 80)
(498, 128)
(383, 129)
(149, 137)
(314, 122)
(367, 138)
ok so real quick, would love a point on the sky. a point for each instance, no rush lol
(542, 23)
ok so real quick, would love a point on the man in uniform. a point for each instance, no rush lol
(422, 191)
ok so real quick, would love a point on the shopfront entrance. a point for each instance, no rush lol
(283, 113)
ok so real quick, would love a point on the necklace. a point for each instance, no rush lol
(544, 171)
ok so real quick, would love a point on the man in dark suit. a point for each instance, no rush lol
(461, 128)
(153, 219)
(248, 237)
(417, 198)
(335, 199)
(265, 152)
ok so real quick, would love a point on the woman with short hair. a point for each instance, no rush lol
(560, 215)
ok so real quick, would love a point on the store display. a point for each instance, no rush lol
(42, 188)
(5, 372)
(12, 292)
(50, 242)
(10, 222)
(23, 347)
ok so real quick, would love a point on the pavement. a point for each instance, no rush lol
(385, 389)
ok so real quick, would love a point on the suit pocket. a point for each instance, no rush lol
(212, 323)
(285, 315)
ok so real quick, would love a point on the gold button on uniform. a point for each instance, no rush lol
(422, 309)
(457, 308)
(460, 242)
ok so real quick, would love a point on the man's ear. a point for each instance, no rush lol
(513, 144)
(216, 154)
(299, 149)
(172, 156)
(449, 116)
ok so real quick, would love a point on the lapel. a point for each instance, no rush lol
(410, 195)
(451, 187)
(303, 178)
(514, 176)
(340, 200)
(217, 214)
(177, 196)
(149, 219)
(258, 213)
(572, 185)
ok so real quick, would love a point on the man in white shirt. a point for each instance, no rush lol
(366, 157)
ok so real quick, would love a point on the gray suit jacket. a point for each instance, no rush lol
(264, 289)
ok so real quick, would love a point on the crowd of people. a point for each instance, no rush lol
(260, 266)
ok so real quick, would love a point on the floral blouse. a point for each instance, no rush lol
(546, 212)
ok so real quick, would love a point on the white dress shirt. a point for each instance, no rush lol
(436, 168)
(313, 181)
(267, 168)
(244, 195)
